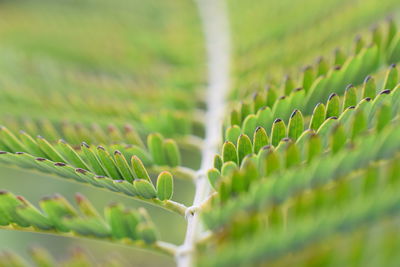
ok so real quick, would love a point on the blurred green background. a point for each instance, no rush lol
(143, 63)
(104, 62)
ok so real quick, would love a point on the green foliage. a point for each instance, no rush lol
(59, 216)
(306, 171)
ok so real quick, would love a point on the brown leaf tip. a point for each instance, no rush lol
(294, 113)
(385, 92)
(332, 96)
(85, 144)
(80, 170)
(369, 77)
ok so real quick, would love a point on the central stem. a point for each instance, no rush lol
(216, 32)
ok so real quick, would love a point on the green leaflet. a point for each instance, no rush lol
(350, 97)
(108, 163)
(278, 132)
(239, 183)
(288, 85)
(85, 207)
(269, 161)
(296, 125)
(132, 136)
(155, 145)
(296, 99)
(56, 207)
(115, 217)
(146, 229)
(292, 154)
(29, 213)
(369, 88)
(229, 152)
(318, 116)
(246, 109)
(165, 186)
(308, 77)
(283, 144)
(147, 233)
(232, 134)
(259, 101)
(265, 118)
(244, 147)
(381, 98)
(325, 129)
(250, 164)
(338, 138)
(281, 108)
(228, 168)
(145, 188)
(10, 141)
(218, 162)
(30, 144)
(93, 159)
(172, 154)
(249, 125)
(49, 150)
(392, 77)
(123, 166)
(139, 169)
(322, 66)
(70, 154)
(359, 44)
(88, 226)
(314, 147)
(224, 190)
(8, 205)
(260, 139)
(235, 118)
(213, 177)
(272, 96)
(339, 57)
(359, 124)
(392, 29)
(383, 117)
(333, 106)
(394, 50)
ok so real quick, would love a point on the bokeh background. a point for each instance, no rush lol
(144, 63)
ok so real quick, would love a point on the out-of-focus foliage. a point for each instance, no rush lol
(102, 62)
(276, 38)
(291, 175)
(111, 94)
